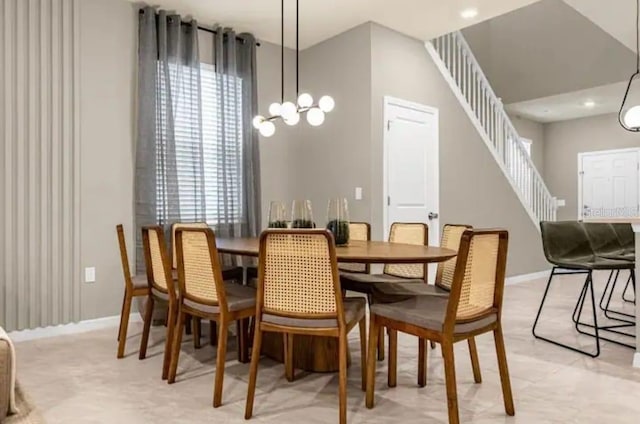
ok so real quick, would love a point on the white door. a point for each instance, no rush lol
(609, 184)
(411, 167)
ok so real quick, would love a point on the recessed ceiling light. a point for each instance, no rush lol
(469, 13)
(589, 103)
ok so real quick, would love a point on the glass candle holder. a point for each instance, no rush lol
(277, 215)
(338, 220)
(301, 214)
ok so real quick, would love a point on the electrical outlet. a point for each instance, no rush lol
(90, 275)
(358, 193)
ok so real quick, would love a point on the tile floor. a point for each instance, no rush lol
(77, 379)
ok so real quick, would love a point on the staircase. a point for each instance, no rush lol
(456, 62)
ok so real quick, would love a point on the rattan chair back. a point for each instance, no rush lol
(199, 273)
(298, 275)
(174, 228)
(451, 235)
(157, 260)
(478, 282)
(360, 231)
(407, 233)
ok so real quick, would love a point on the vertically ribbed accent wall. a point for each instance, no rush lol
(39, 163)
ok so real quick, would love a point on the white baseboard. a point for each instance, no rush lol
(636, 360)
(524, 278)
(72, 328)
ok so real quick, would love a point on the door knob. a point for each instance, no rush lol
(433, 215)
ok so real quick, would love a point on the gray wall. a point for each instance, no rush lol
(473, 190)
(107, 114)
(335, 157)
(564, 140)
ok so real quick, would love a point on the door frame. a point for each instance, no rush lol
(581, 155)
(393, 101)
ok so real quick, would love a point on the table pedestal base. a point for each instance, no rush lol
(310, 353)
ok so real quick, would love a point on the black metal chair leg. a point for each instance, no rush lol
(631, 279)
(606, 288)
(608, 311)
(588, 284)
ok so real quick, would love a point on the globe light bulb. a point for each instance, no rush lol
(292, 120)
(305, 100)
(632, 117)
(287, 110)
(257, 120)
(274, 109)
(315, 116)
(267, 129)
(326, 104)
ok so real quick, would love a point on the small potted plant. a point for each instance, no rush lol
(277, 215)
(338, 220)
(301, 214)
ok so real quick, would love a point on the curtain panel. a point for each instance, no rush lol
(197, 157)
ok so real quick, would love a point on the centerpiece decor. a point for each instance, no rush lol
(338, 220)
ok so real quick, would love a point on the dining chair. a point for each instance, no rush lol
(400, 232)
(627, 239)
(299, 293)
(473, 307)
(204, 293)
(161, 288)
(358, 231)
(229, 273)
(134, 286)
(396, 292)
(567, 247)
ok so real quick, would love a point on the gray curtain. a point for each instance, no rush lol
(235, 63)
(169, 91)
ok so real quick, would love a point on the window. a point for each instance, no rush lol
(207, 182)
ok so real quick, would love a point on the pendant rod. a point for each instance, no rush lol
(281, 51)
(638, 36)
(297, 48)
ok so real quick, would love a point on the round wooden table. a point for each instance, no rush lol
(320, 354)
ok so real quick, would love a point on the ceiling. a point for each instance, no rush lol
(615, 17)
(546, 49)
(606, 99)
(320, 20)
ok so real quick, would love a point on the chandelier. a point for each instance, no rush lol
(629, 116)
(287, 111)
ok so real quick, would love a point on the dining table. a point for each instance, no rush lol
(317, 353)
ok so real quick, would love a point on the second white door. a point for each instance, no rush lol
(411, 163)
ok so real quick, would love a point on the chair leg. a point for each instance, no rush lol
(124, 300)
(196, 330)
(371, 362)
(213, 333)
(168, 344)
(253, 372)
(124, 324)
(288, 356)
(362, 329)
(504, 370)
(380, 343)
(220, 362)
(177, 342)
(450, 377)
(631, 279)
(422, 362)
(148, 315)
(187, 325)
(393, 358)
(242, 330)
(475, 362)
(342, 390)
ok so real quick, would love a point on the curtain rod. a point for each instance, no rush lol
(205, 29)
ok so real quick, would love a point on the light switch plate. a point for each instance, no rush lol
(90, 275)
(561, 202)
(358, 193)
